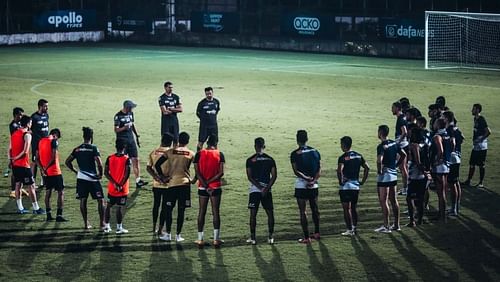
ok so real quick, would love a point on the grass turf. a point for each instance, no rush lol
(269, 94)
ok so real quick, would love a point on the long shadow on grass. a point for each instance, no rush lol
(273, 270)
(376, 268)
(217, 272)
(324, 269)
(110, 267)
(163, 265)
(471, 246)
(484, 202)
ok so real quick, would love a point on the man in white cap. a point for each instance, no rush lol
(126, 130)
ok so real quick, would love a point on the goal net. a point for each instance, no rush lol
(462, 40)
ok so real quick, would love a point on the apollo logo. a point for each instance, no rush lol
(70, 20)
(306, 24)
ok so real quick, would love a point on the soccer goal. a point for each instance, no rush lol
(462, 40)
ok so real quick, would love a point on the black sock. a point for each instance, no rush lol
(59, 212)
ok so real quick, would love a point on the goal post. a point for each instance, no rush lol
(462, 40)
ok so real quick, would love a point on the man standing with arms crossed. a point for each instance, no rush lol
(39, 129)
(170, 104)
(207, 111)
(125, 131)
(307, 168)
(262, 173)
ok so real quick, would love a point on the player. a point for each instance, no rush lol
(17, 113)
(209, 169)
(178, 161)
(207, 111)
(117, 171)
(456, 140)
(40, 129)
(125, 131)
(170, 105)
(159, 187)
(427, 139)
(389, 156)
(262, 173)
(88, 176)
(47, 159)
(307, 169)
(19, 150)
(401, 134)
(349, 165)
(480, 146)
(418, 162)
(440, 154)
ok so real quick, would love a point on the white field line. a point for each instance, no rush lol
(99, 59)
(34, 88)
(44, 81)
(379, 78)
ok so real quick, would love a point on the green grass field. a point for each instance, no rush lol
(268, 94)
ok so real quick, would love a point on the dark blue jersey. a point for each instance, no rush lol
(446, 143)
(207, 112)
(260, 166)
(352, 162)
(389, 150)
(400, 122)
(480, 126)
(85, 157)
(455, 133)
(40, 125)
(13, 126)
(306, 160)
(170, 102)
(120, 120)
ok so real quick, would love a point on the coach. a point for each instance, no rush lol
(207, 111)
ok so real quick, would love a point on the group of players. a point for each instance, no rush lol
(423, 157)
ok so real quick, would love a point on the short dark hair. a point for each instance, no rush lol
(422, 120)
(433, 107)
(449, 116)
(183, 138)
(346, 142)
(208, 89)
(383, 130)
(42, 102)
(441, 123)
(397, 104)
(414, 112)
(440, 100)
(88, 133)
(56, 132)
(301, 136)
(478, 106)
(167, 83)
(17, 111)
(405, 103)
(212, 140)
(260, 143)
(24, 120)
(120, 144)
(167, 139)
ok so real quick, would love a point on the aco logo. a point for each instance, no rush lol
(306, 24)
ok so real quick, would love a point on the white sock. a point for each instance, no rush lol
(35, 206)
(119, 226)
(137, 180)
(106, 225)
(200, 235)
(216, 234)
(19, 203)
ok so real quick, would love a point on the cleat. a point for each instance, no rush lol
(60, 218)
(348, 233)
(178, 238)
(23, 211)
(49, 217)
(140, 184)
(395, 228)
(166, 237)
(305, 241)
(480, 186)
(121, 231)
(383, 229)
(200, 244)
(316, 236)
(251, 241)
(39, 211)
(107, 229)
(218, 243)
(270, 241)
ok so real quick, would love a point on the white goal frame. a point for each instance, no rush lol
(466, 52)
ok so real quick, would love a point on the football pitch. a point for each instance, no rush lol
(262, 93)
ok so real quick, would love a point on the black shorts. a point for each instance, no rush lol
(55, 182)
(204, 193)
(387, 184)
(85, 187)
(131, 149)
(478, 158)
(181, 194)
(347, 196)
(306, 193)
(454, 173)
(120, 201)
(206, 131)
(23, 175)
(172, 127)
(416, 188)
(256, 198)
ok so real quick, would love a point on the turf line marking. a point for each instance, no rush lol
(34, 87)
(44, 81)
(100, 59)
(379, 78)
